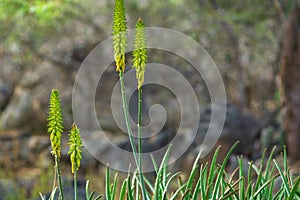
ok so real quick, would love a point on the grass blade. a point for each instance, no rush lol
(123, 190)
(221, 171)
(283, 177)
(114, 186)
(157, 185)
(107, 184)
(294, 189)
(261, 188)
(179, 190)
(168, 183)
(129, 189)
(212, 166)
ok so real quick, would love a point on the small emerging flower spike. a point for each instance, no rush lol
(75, 143)
(55, 122)
(140, 52)
(119, 29)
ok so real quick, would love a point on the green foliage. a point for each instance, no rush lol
(214, 182)
(75, 144)
(22, 20)
(119, 34)
(140, 51)
(41, 10)
(55, 122)
(110, 188)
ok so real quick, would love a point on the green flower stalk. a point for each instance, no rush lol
(55, 129)
(140, 52)
(119, 44)
(139, 63)
(75, 143)
(119, 29)
(55, 122)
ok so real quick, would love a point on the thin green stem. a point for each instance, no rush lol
(139, 125)
(140, 141)
(61, 194)
(126, 114)
(131, 138)
(75, 183)
(54, 178)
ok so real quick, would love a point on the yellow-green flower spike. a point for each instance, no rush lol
(119, 34)
(55, 122)
(75, 143)
(140, 52)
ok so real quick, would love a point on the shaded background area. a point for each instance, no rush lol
(255, 45)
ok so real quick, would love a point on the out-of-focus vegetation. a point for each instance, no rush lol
(31, 22)
(28, 27)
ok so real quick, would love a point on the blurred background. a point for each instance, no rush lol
(255, 44)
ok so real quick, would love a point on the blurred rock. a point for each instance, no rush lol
(38, 143)
(239, 126)
(13, 146)
(18, 148)
(5, 92)
(10, 70)
(28, 107)
(18, 113)
(39, 151)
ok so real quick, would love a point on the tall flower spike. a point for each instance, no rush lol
(119, 34)
(55, 122)
(140, 52)
(75, 143)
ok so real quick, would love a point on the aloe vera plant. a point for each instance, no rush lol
(204, 182)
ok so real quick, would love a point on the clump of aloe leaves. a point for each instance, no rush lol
(204, 182)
